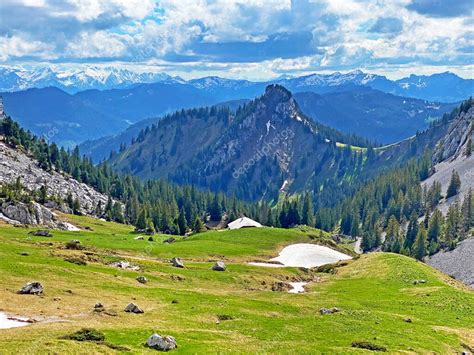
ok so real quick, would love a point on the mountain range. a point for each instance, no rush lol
(106, 118)
(443, 87)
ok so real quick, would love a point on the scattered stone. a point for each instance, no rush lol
(140, 237)
(368, 346)
(57, 299)
(31, 288)
(416, 282)
(42, 233)
(125, 265)
(24, 253)
(150, 239)
(219, 266)
(281, 286)
(133, 308)
(87, 228)
(169, 240)
(174, 301)
(162, 343)
(142, 279)
(176, 262)
(408, 320)
(332, 310)
(99, 307)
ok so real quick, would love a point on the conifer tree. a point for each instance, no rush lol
(454, 185)
(419, 248)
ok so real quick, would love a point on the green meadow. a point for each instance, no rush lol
(378, 300)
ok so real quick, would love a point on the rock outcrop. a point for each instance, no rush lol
(16, 164)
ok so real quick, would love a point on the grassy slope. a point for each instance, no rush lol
(376, 293)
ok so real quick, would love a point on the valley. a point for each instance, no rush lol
(375, 294)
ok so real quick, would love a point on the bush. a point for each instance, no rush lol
(86, 334)
(222, 317)
(368, 346)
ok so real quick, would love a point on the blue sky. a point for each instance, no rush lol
(253, 39)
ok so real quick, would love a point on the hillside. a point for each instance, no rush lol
(232, 310)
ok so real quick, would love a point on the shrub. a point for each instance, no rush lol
(86, 334)
(367, 345)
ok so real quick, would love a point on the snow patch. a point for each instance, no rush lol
(298, 287)
(7, 322)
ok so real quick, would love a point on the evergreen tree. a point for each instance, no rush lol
(454, 185)
(308, 215)
(198, 225)
(419, 248)
(182, 223)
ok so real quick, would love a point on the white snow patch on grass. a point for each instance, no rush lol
(305, 255)
(298, 287)
(6, 323)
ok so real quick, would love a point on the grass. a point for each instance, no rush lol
(375, 294)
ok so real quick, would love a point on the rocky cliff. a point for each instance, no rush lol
(15, 164)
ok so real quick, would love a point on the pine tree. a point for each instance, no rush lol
(308, 215)
(392, 242)
(142, 220)
(198, 225)
(454, 185)
(182, 223)
(419, 248)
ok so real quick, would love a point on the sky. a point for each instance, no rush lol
(252, 39)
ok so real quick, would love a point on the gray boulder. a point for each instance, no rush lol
(142, 279)
(162, 343)
(133, 308)
(332, 310)
(31, 288)
(176, 262)
(219, 266)
(42, 233)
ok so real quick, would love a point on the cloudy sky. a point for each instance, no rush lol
(252, 39)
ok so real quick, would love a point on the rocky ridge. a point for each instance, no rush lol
(15, 164)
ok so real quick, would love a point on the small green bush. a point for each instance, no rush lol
(367, 345)
(86, 334)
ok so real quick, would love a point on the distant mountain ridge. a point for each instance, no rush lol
(72, 81)
(443, 87)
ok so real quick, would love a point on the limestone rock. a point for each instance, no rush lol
(219, 266)
(324, 310)
(31, 288)
(162, 343)
(133, 308)
(176, 262)
(42, 233)
(142, 279)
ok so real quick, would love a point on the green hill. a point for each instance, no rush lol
(378, 300)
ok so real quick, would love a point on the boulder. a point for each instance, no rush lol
(31, 288)
(219, 266)
(42, 233)
(142, 279)
(140, 237)
(169, 240)
(332, 310)
(162, 343)
(176, 262)
(99, 307)
(133, 308)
